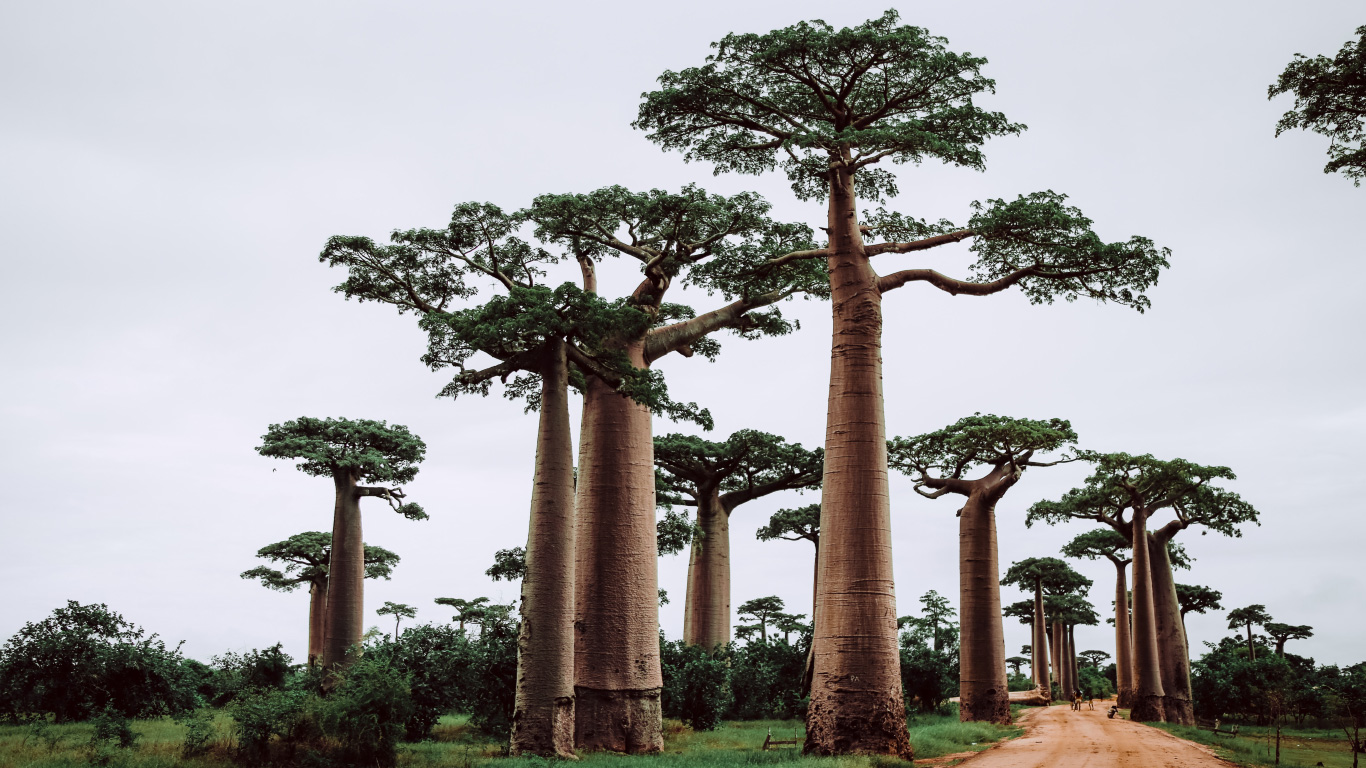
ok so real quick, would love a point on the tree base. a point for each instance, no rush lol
(864, 727)
(988, 705)
(548, 733)
(619, 721)
(1125, 698)
(1178, 710)
(1147, 709)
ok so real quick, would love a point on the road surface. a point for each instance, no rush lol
(1057, 737)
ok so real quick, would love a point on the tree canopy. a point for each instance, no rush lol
(1054, 576)
(508, 565)
(1282, 633)
(1093, 658)
(745, 466)
(1330, 100)
(1098, 543)
(1251, 615)
(763, 612)
(793, 525)
(940, 459)
(1198, 599)
(305, 557)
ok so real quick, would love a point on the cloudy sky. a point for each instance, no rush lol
(169, 172)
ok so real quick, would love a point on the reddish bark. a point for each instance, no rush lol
(1039, 651)
(543, 714)
(1124, 648)
(1148, 693)
(345, 616)
(1072, 658)
(617, 677)
(856, 698)
(317, 609)
(1055, 644)
(982, 689)
(1173, 655)
(706, 611)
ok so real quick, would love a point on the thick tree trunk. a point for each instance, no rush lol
(1124, 648)
(1148, 693)
(856, 696)
(617, 678)
(706, 610)
(1072, 657)
(543, 713)
(345, 579)
(982, 689)
(317, 609)
(1055, 657)
(1173, 655)
(1038, 654)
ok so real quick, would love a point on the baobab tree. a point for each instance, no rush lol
(1015, 662)
(787, 623)
(999, 450)
(800, 524)
(1093, 659)
(1249, 616)
(1330, 100)
(715, 478)
(399, 611)
(828, 105)
(1111, 545)
(699, 239)
(305, 557)
(1283, 632)
(1067, 613)
(465, 610)
(1197, 599)
(1043, 577)
(763, 611)
(350, 452)
(1143, 486)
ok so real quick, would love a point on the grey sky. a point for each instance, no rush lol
(169, 172)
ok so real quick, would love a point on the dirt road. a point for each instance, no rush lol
(1057, 737)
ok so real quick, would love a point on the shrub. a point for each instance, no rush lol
(263, 714)
(233, 674)
(494, 670)
(439, 662)
(366, 714)
(766, 678)
(199, 732)
(697, 686)
(928, 676)
(1094, 684)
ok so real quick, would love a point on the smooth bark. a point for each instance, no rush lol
(982, 688)
(617, 677)
(1055, 657)
(1173, 654)
(317, 608)
(1124, 648)
(1039, 651)
(856, 697)
(1072, 657)
(706, 610)
(345, 614)
(1148, 692)
(543, 713)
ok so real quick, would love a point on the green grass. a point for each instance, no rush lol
(455, 744)
(1300, 748)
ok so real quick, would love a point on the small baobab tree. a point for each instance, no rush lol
(763, 612)
(399, 611)
(716, 478)
(1248, 617)
(1284, 632)
(1016, 662)
(998, 450)
(1043, 577)
(1093, 659)
(465, 610)
(350, 452)
(305, 557)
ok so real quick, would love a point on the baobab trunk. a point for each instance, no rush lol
(982, 689)
(543, 712)
(706, 610)
(1173, 658)
(856, 699)
(1055, 657)
(317, 609)
(1124, 649)
(1072, 657)
(1038, 653)
(1148, 693)
(617, 678)
(345, 614)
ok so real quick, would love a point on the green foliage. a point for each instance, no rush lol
(1093, 658)
(793, 524)
(674, 531)
(441, 666)
(745, 466)
(935, 626)
(1198, 599)
(306, 557)
(86, 659)
(977, 441)
(372, 451)
(200, 732)
(234, 674)
(929, 677)
(1052, 574)
(1094, 684)
(469, 610)
(766, 678)
(1098, 543)
(700, 689)
(260, 716)
(802, 95)
(1282, 633)
(366, 714)
(495, 667)
(508, 565)
(1254, 615)
(762, 611)
(1330, 100)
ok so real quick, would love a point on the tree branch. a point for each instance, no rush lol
(919, 245)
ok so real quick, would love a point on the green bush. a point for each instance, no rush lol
(199, 732)
(494, 671)
(263, 714)
(366, 715)
(766, 678)
(705, 690)
(1094, 684)
(440, 663)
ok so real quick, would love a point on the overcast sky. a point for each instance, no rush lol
(169, 172)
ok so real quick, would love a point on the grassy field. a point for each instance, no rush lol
(456, 745)
(1300, 748)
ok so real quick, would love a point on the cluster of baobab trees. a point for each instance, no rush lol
(830, 108)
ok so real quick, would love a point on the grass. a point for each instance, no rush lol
(1256, 746)
(455, 744)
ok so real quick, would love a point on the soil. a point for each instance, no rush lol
(1057, 737)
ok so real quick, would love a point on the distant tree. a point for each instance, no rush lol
(763, 611)
(305, 557)
(399, 611)
(350, 452)
(800, 524)
(1330, 100)
(999, 450)
(1093, 658)
(787, 623)
(935, 612)
(1283, 632)
(1043, 576)
(1111, 545)
(717, 477)
(1015, 662)
(1255, 614)
(1197, 599)
(508, 565)
(465, 610)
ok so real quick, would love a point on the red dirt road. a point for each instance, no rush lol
(1057, 737)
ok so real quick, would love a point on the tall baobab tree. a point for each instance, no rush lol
(828, 105)
(1283, 632)
(1249, 616)
(305, 557)
(1111, 545)
(702, 240)
(350, 452)
(715, 478)
(1123, 484)
(1043, 577)
(998, 449)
